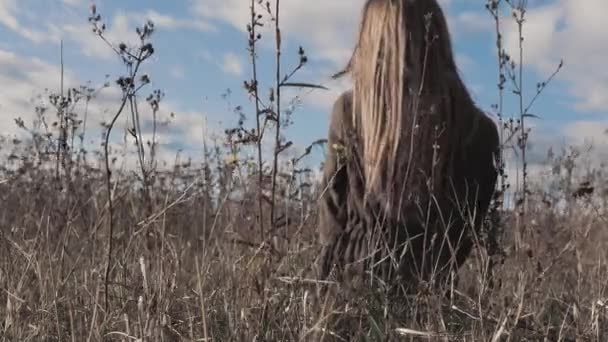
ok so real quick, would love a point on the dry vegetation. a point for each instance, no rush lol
(219, 249)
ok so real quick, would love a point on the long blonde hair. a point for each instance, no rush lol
(404, 75)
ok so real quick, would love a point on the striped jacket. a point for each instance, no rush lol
(429, 237)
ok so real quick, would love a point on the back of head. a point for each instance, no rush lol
(404, 78)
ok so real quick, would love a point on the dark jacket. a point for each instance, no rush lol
(429, 238)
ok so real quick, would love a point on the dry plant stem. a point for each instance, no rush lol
(200, 284)
(84, 122)
(110, 201)
(61, 113)
(152, 162)
(518, 12)
(500, 85)
(252, 42)
(493, 6)
(145, 171)
(542, 87)
(277, 141)
(82, 136)
(126, 96)
(138, 138)
(523, 133)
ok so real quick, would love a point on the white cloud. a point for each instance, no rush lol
(590, 139)
(575, 31)
(121, 29)
(471, 22)
(9, 10)
(170, 22)
(74, 2)
(206, 56)
(324, 99)
(31, 81)
(325, 27)
(588, 131)
(177, 72)
(229, 63)
(69, 24)
(464, 62)
(232, 64)
(71, 28)
(7, 14)
(92, 46)
(29, 77)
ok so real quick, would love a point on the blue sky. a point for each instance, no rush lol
(201, 52)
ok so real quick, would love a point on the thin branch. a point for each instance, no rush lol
(542, 86)
(253, 37)
(277, 140)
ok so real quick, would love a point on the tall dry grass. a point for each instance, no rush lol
(219, 250)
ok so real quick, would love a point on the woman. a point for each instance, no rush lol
(411, 166)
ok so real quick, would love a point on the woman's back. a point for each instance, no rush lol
(411, 163)
(429, 231)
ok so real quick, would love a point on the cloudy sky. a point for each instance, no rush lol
(201, 52)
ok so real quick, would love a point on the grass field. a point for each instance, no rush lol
(187, 264)
(91, 250)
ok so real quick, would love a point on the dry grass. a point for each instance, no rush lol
(188, 263)
(189, 267)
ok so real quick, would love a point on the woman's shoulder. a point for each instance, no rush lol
(344, 102)
(342, 110)
(488, 127)
(480, 129)
(341, 115)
